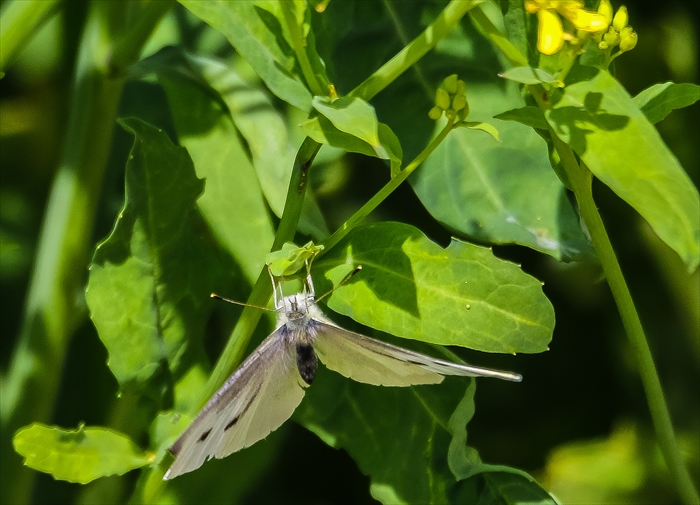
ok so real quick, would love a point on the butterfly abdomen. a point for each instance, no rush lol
(307, 362)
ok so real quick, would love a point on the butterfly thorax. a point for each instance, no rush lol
(296, 323)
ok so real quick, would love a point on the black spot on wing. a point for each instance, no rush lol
(231, 423)
(204, 435)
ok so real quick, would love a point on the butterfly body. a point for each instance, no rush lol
(268, 386)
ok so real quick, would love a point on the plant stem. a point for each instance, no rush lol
(580, 178)
(383, 193)
(53, 309)
(409, 55)
(298, 42)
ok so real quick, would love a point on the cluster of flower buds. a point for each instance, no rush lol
(619, 32)
(450, 99)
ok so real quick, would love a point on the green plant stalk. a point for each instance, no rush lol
(298, 42)
(409, 55)
(21, 20)
(581, 178)
(53, 310)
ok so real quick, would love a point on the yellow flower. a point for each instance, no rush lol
(550, 30)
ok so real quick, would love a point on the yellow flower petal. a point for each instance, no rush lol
(550, 32)
(605, 9)
(584, 20)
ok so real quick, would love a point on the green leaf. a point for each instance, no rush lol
(256, 35)
(268, 140)
(241, 224)
(353, 116)
(323, 131)
(483, 126)
(501, 488)
(619, 145)
(81, 455)
(529, 116)
(150, 280)
(413, 288)
(291, 258)
(659, 100)
(500, 192)
(399, 437)
(529, 75)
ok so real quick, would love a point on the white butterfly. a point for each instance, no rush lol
(264, 391)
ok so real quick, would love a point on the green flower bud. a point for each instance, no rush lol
(459, 102)
(442, 99)
(450, 84)
(462, 114)
(628, 39)
(621, 18)
(611, 37)
(461, 87)
(450, 114)
(435, 113)
(603, 45)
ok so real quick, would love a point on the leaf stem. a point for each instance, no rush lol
(580, 178)
(383, 193)
(409, 55)
(299, 42)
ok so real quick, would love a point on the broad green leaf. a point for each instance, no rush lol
(399, 437)
(413, 288)
(501, 488)
(602, 124)
(81, 455)
(659, 100)
(291, 258)
(353, 116)
(529, 75)
(150, 280)
(256, 35)
(529, 116)
(500, 192)
(266, 135)
(242, 224)
(323, 131)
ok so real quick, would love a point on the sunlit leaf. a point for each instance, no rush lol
(500, 192)
(659, 100)
(602, 124)
(205, 128)
(324, 132)
(150, 280)
(463, 295)
(256, 35)
(529, 116)
(81, 455)
(529, 75)
(353, 116)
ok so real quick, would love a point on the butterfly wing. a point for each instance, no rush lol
(372, 361)
(261, 395)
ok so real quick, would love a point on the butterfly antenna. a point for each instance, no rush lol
(345, 280)
(214, 295)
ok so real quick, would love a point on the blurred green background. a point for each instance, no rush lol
(579, 421)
